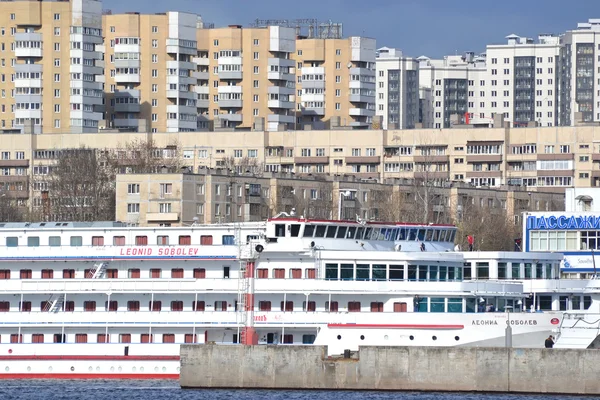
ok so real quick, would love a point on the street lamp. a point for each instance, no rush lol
(346, 193)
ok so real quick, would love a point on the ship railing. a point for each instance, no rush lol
(579, 320)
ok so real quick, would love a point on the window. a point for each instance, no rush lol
(25, 274)
(309, 306)
(133, 208)
(133, 305)
(47, 274)
(264, 306)
(155, 273)
(354, 306)
(177, 305)
(89, 306)
(177, 273)
(68, 274)
(37, 338)
(199, 273)
(97, 240)
(155, 305)
(287, 306)
(112, 305)
(25, 306)
(125, 338)
(220, 306)
(141, 240)
(206, 240)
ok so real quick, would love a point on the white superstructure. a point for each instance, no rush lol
(108, 300)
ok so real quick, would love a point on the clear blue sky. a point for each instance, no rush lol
(418, 27)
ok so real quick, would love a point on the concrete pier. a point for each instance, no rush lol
(558, 371)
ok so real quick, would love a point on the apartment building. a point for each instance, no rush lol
(247, 75)
(454, 89)
(51, 66)
(217, 196)
(522, 80)
(148, 75)
(397, 89)
(335, 82)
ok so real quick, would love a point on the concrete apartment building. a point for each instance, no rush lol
(335, 82)
(51, 66)
(216, 196)
(397, 89)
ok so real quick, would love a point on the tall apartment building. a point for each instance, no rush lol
(580, 48)
(51, 66)
(397, 89)
(455, 86)
(247, 75)
(522, 80)
(149, 83)
(336, 82)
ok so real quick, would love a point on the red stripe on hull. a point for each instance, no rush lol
(90, 358)
(89, 376)
(402, 326)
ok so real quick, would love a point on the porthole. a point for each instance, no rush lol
(28, 369)
(97, 369)
(134, 369)
(164, 369)
(434, 337)
(386, 337)
(141, 369)
(49, 369)
(339, 337)
(112, 369)
(90, 369)
(120, 369)
(411, 337)
(72, 369)
(178, 369)
(362, 337)
(7, 369)
(456, 338)
(155, 369)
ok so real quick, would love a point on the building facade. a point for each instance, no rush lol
(397, 89)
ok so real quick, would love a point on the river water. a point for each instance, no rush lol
(169, 390)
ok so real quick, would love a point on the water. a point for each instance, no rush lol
(169, 390)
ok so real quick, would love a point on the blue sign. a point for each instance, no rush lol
(563, 222)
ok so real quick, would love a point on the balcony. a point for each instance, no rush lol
(280, 104)
(361, 112)
(229, 89)
(432, 159)
(28, 44)
(281, 62)
(127, 63)
(174, 125)
(127, 107)
(477, 158)
(363, 160)
(280, 76)
(231, 103)
(201, 61)
(174, 46)
(314, 84)
(281, 119)
(361, 98)
(230, 75)
(200, 75)
(362, 72)
(172, 64)
(311, 160)
(13, 163)
(129, 123)
(162, 217)
(231, 117)
(280, 90)
(127, 78)
(127, 93)
(28, 68)
(28, 113)
(313, 111)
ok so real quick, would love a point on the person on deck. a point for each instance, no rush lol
(471, 241)
(549, 343)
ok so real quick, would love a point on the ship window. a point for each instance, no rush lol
(4, 273)
(262, 273)
(516, 270)
(287, 306)
(412, 272)
(539, 271)
(362, 272)
(455, 305)
(545, 303)
(97, 240)
(288, 339)
(54, 241)
(133, 273)
(309, 230)
(33, 241)
(311, 273)
(396, 272)
(331, 272)
(162, 240)
(119, 241)
(527, 270)
(429, 235)
(436, 235)
(368, 233)
(125, 338)
(112, 305)
(331, 231)
(587, 302)
(320, 231)
(199, 273)
(379, 272)
(483, 270)
(412, 234)
(279, 230)
(467, 271)
(155, 305)
(25, 306)
(177, 305)
(308, 339)
(37, 338)
(146, 338)
(47, 273)
(442, 237)
(81, 338)
(351, 232)
(155, 273)
(295, 230)
(206, 240)
(422, 273)
(141, 240)
(376, 306)
(264, 305)
(331, 307)
(76, 241)
(89, 305)
(177, 273)
(60, 338)
(185, 240)
(112, 273)
(168, 338)
(359, 233)
(16, 338)
(25, 274)
(502, 270)
(190, 338)
(400, 307)
(220, 306)
(341, 233)
(68, 273)
(347, 272)
(401, 234)
(279, 273)
(69, 306)
(436, 304)
(133, 305)
(421, 235)
(296, 273)
(45, 306)
(102, 338)
(228, 240)
(88, 273)
(4, 306)
(12, 241)
(443, 273)
(198, 305)
(373, 234)
(310, 306)
(354, 306)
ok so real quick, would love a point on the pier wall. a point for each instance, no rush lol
(561, 371)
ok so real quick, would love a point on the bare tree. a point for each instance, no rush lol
(491, 228)
(143, 156)
(9, 210)
(244, 165)
(431, 164)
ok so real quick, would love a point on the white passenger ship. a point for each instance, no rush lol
(104, 300)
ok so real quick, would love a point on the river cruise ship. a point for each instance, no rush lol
(106, 300)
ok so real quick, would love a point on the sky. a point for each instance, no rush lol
(418, 27)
